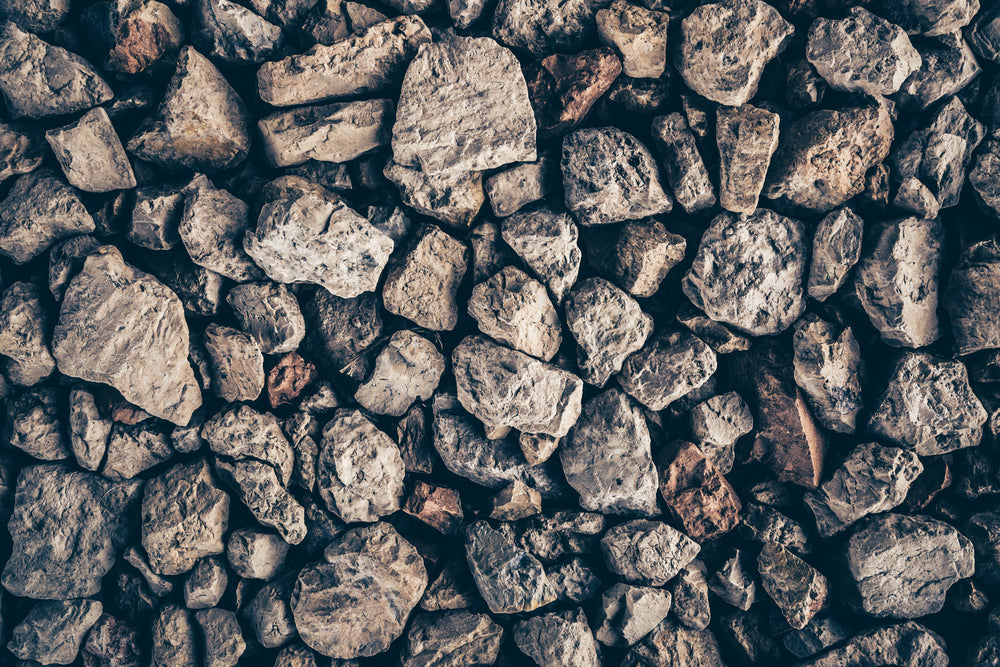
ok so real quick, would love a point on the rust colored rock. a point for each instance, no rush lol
(437, 506)
(787, 440)
(288, 378)
(696, 493)
(144, 36)
(118, 409)
(936, 478)
(563, 88)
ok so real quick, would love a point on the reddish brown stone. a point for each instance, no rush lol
(935, 478)
(288, 378)
(111, 403)
(564, 88)
(437, 506)
(696, 492)
(143, 37)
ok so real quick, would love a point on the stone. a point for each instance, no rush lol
(489, 253)
(823, 157)
(511, 190)
(982, 177)
(452, 638)
(133, 449)
(38, 79)
(437, 506)
(503, 387)
(673, 645)
(820, 633)
(629, 613)
(797, 588)
(173, 639)
(113, 643)
(717, 423)
(329, 133)
(540, 27)
(574, 581)
(25, 328)
(547, 243)
(610, 176)
(306, 237)
(903, 566)
(721, 338)
(157, 585)
(558, 639)
(212, 227)
(362, 63)
(223, 639)
(242, 433)
(836, 248)
(297, 655)
(287, 379)
(690, 596)
(670, 366)
(948, 65)
(158, 210)
(237, 364)
(53, 632)
(407, 370)
(234, 34)
(52, 207)
(35, 426)
(38, 17)
(638, 34)
(515, 309)
(637, 254)
(184, 518)
(135, 38)
(66, 259)
(67, 528)
(696, 493)
(358, 602)
(515, 501)
(412, 433)
(749, 271)
(747, 138)
(563, 88)
(984, 34)
(929, 18)
(606, 457)
(509, 579)
(342, 329)
(88, 430)
(764, 524)
(649, 553)
(872, 479)
(254, 554)
(91, 154)
(205, 584)
(725, 47)
(928, 406)
(684, 168)
(733, 582)
(200, 124)
(908, 643)
(915, 198)
(828, 368)
(453, 197)
(422, 283)
(269, 613)
(21, 150)
(270, 314)
(359, 469)
(971, 298)
(257, 486)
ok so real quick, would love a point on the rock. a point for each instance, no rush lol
(212, 227)
(363, 63)
(670, 366)
(253, 554)
(684, 168)
(872, 479)
(696, 493)
(606, 457)
(134, 449)
(982, 177)
(514, 309)
(690, 596)
(906, 643)
(558, 639)
(112, 642)
(903, 566)
(649, 553)
(241, 433)
(836, 248)
(67, 528)
(984, 35)
(511, 190)
(563, 88)
(747, 138)
(673, 645)
(453, 197)
(822, 158)
(173, 639)
(574, 581)
(223, 638)
(200, 124)
(557, 535)
(136, 38)
(330, 133)
(88, 431)
(540, 27)
(232, 33)
(270, 313)
(453, 588)
(21, 150)
(928, 406)
(258, 487)
(38, 17)
(638, 34)
(749, 272)
(358, 602)
(609, 176)
(637, 254)
(205, 584)
(237, 364)
(820, 633)
(796, 587)
(122, 327)
(725, 47)
(716, 425)
(91, 154)
(269, 614)
(342, 329)
(901, 297)
(25, 328)
(158, 210)
(763, 523)
(437, 506)
(38, 79)
(629, 613)
(453, 638)
(733, 582)
(929, 18)
(970, 298)
(503, 387)
(157, 585)
(914, 197)
(879, 56)
(509, 579)
(948, 65)
(422, 282)
(547, 242)
(184, 518)
(297, 655)
(50, 205)
(515, 501)
(721, 338)
(53, 632)
(828, 368)
(407, 370)
(317, 238)
(359, 469)
(66, 259)
(608, 326)
(414, 444)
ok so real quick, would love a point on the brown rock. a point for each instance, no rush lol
(563, 88)
(437, 506)
(696, 492)
(288, 378)
(514, 502)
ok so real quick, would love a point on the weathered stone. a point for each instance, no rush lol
(437, 506)
(796, 587)
(91, 154)
(21, 150)
(53, 632)
(547, 242)
(258, 487)
(915, 198)
(763, 523)
(828, 368)
(173, 639)
(451, 639)
(983, 177)
(88, 430)
(157, 585)
(270, 313)
(66, 259)
(489, 253)
(515, 501)
(930, 19)
(716, 425)
(39, 210)
(684, 169)
(690, 596)
(342, 329)
(673, 645)
(638, 34)
(330, 133)
(637, 254)
(733, 582)
(574, 581)
(254, 554)
(649, 553)
(223, 639)
(557, 535)
(412, 433)
(563, 88)
(836, 248)
(453, 197)
(205, 584)
(135, 37)
(509, 579)
(670, 366)
(984, 35)
(407, 370)
(113, 643)
(35, 426)
(269, 614)
(747, 138)
(422, 283)
(511, 190)
(908, 644)
(972, 300)
(158, 210)
(540, 27)
(133, 449)
(39, 16)
(234, 34)
(212, 227)
(516, 310)
(820, 633)
(558, 639)
(629, 613)
(696, 493)
(948, 65)
(298, 655)
(237, 364)
(720, 337)
(25, 334)
(241, 433)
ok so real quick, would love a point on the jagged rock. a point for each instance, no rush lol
(563, 88)
(903, 566)
(696, 493)
(749, 272)
(511, 190)
(364, 63)
(258, 487)
(638, 34)
(254, 554)
(983, 177)
(574, 581)
(629, 613)
(610, 176)
(134, 37)
(223, 639)
(690, 596)
(133, 450)
(453, 197)
(88, 431)
(52, 209)
(649, 553)
(205, 584)
(725, 47)
(234, 34)
(554, 536)
(173, 639)
(37, 16)
(157, 213)
(915, 198)
(437, 506)
(21, 150)
(747, 138)
(819, 634)
(673, 645)
(971, 298)
(157, 585)
(836, 248)
(637, 254)
(38, 79)
(606, 457)
(330, 133)
(871, 479)
(540, 27)
(558, 639)
(984, 35)
(25, 334)
(343, 328)
(414, 444)
(684, 168)
(91, 154)
(211, 227)
(270, 313)
(407, 370)
(721, 338)
(122, 327)
(66, 259)
(269, 613)
(503, 387)
(733, 582)
(763, 523)
(515, 501)
(113, 643)
(717, 424)
(909, 644)
(828, 368)
(948, 65)
(547, 242)
(53, 632)
(930, 19)
(237, 364)
(452, 639)
(670, 366)
(241, 433)
(514, 309)
(929, 407)
(509, 579)
(67, 528)
(422, 282)
(796, 587)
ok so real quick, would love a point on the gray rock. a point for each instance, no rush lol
(733, 582)
(173, 639)
(749, 272)
(629, 613)
(948, 65)
(558, 639)
(984, 35)
(158, 210)
(134, 449)
(66, 259)
(820, 633)
(836, 248)
(453, 197)
(269, 614)
(915, 198)
(983, 177)
(638, 34)
(540, 27)
(421, 284)
(763, 523)
(515, 501)
(211, 227)
(39, 210)
(684, 168)
(452, 639)
(560, 534)
(514, 309)
(937, 17)
(232, 33)
(270, 314)
(157, 585)
(909, 644)
(725, 47)
(38, 79)
(254, 554)
(971, 298)
(716, 425)
(610, 176)
(828, 368)
(21, 150)
(407, 370)
(40, 16)
(649, 553)
(223, 639)
(257, 485)
(690, 596)
(574, 581)
(547, 242)
(88, 430)
(747, 138)
(673, 645)
(241, 433)
(205, 584)
(122, 327)
(299, 655)
(53, 632)
(903, 566)
(670, 366)
(25, 328)
(342, 329)
(91, 154)
(489, 253)
(237, 364)
(797, 588)
(34, 424)
(928, 406)
(511, 190)
(509, 579)
(637, 254)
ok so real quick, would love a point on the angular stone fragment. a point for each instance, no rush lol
(88, 431)
(828, 368)
(574, 581)
(205, 584)
(919, 17)
(38, 79)
(690, 596)
(174, 639)
(258, 487)
(637, 254)
(25, 334)
(254, 554)
(157, 585)
(21, 150)
(513, 189)
(547, 242)
(972, 300)
(717, 424)
(747, 138)
(725, 46)
(237, 364)
(158, 210)
(554, 536)
(39, 210)
(540, 27)
(452, 639)
(133, 449)
(984, 35)
(437, 506)
(39, 16)
(670, 366)
(684, 169)
(929, 407)
(908, 643)
(232, 33)
(948, 65)
(341, 329)
(514, 309)
(721, 338)
(135, 37)
(638, 34)
(630, 613)
(733, 582)
(673, 645)
(515, 501)
(269, 614)
(796, 587)
(914, 197)
(113, 643)
(122, 327)
(696, 493)
(330, 133)
(610, 176)
(509, 579)
(91, 154)
(749, 272)
(453, 197)
(297, 655)
(407, 370)
(53, 632)
(558, 639)
(222, 636)
(35, 426)
(242, 433)
(563, 88)
(422, 283)
(649, 553)
(270, 313)
(903, 566)
(211, 227)
(836, 248)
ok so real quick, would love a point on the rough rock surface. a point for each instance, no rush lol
(242, 433)
(647, 552)
(422, 283)
(407, 370)
(270, 313)
(638, 34)
(237, 364)
(211, 228)
(717, 424)
(828, 368)
(684, 168)
(630, 613)
(696, 493)
(174, 638)
(53, 632)
(564, 88)
(747, 138)
(39, 210)
(509, 579)
(91, 154)
(797, 588)
(637, 254)
(25, 334)
(547, 242)
(540, 27)
(257, 485)
(514, 309)
(558, 639)
(906, 643)
(452, 638)
(453, 197)
(836, 248)
(971, 298)
(670, 366)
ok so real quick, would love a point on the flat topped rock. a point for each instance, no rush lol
(122, 327)
(39, 210)
(53, 632)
